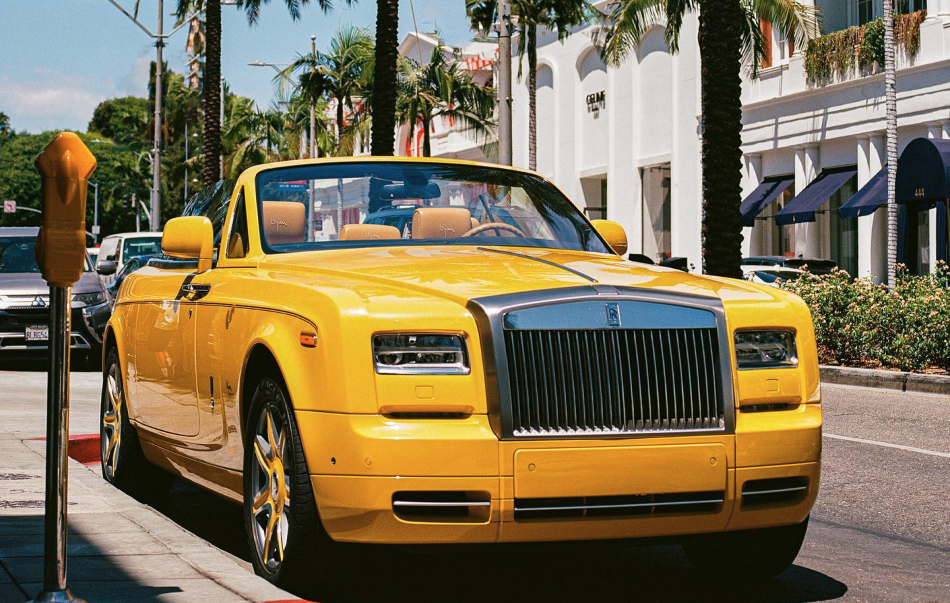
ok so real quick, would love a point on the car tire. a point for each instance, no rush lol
(123, 463)
(762, 553)
(286, 540)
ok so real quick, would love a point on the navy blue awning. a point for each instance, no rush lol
(803, 207)
(923, 171)
(763, 194)
(871, 196)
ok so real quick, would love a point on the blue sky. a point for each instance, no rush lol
(60, 58)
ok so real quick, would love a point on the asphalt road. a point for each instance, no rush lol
(880, 531)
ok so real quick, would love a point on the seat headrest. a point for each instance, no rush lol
(368, 232)
(284, 222)
(440, 222)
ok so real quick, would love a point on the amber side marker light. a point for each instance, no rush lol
(308, 340)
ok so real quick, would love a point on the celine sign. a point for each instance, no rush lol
(596, 101)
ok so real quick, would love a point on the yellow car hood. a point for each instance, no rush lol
(462, 273)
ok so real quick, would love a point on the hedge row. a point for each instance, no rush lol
(859, 323)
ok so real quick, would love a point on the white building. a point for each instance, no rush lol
(624, 142)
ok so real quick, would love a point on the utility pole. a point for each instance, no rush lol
(313, 111)
(157, 149)
(503, 27)
(159, 38)
(95, 215)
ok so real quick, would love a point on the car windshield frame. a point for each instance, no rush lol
(539, 191)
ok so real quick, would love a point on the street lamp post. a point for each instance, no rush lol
(159, 38)
(503, 27)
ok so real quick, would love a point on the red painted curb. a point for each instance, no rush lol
(83, 448)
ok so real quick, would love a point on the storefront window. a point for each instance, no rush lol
(922, 255)
(844, 232)
(656, 212)
(782, 238)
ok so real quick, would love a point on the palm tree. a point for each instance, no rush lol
(4, 125)
(343, 74)
(443, 89)
(890, 92)
(556, 15)
(729, 34)
(211, 97)
(384, 78)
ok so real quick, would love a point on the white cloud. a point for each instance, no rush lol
(136, 82)
(54, 102)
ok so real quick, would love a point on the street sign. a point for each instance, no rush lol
(9, 207)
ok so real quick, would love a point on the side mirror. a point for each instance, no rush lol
(190, 238)
(106, 267)
(613, 233)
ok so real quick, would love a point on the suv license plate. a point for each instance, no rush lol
(36, 334)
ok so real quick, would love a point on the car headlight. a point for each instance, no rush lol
(420, 354)
(81, 300)
(765, 349)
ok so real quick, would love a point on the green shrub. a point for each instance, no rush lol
(859, 323)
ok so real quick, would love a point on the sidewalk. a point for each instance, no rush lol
(119, 549)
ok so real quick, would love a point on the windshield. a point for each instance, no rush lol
(18, 256)
(137, 247)
(377, 203)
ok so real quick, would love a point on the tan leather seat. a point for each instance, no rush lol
(440, 222)
(284, 222)
(368, 232)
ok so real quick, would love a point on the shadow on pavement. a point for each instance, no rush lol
(93, 571)
(605, 572)
(79, 362)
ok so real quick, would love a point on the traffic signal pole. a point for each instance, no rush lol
(65, 166)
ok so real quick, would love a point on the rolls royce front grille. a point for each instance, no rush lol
(614, 381)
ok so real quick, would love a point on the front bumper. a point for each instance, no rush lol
(88, 324)
(362, 464)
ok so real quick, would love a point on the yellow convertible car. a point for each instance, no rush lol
(417, 351)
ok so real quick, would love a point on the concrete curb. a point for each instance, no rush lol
(896, 380)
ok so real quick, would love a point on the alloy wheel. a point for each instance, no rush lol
(270, 485)
(111, 437)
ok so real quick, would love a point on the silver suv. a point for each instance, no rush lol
(24, 300)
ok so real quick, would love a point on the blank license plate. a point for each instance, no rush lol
(39, 333)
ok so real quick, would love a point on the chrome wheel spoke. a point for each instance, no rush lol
(260, 501)
(262, 453)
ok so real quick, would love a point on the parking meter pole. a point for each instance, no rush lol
(57, 442)
(65, 166)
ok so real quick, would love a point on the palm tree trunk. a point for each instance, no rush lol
(211, 88)
(383, 139)
(890, 92)
(426, 148)
(532, 44)
(720, 51)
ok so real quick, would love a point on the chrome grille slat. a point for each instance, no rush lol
(614, 381)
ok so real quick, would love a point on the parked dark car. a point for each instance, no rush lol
(131, 265)
(24, 300)
(814, 265)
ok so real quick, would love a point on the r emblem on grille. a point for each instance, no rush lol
(613, 315)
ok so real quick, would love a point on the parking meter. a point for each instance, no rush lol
(65, 166)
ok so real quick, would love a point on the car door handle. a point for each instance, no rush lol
(193, 292)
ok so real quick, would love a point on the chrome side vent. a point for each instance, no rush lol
(601, 506)
(776, 491)
(445, 506)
